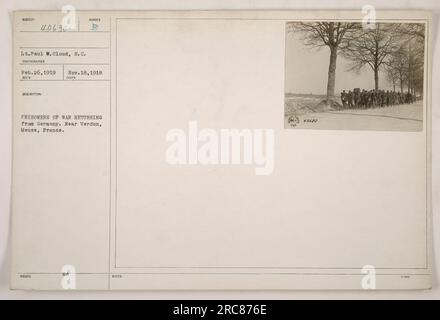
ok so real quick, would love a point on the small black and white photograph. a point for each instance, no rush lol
(354, 76)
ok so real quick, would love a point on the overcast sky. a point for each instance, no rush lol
(307, 70)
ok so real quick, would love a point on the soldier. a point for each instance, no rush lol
(371, 99)
(363, 99)
(382, 98)
(399, 97)
(376, 98)
(408, 97)
(356, 98)
(344, 99)
(350, 99)
(366, 97)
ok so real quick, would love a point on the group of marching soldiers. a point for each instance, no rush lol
(366, 99)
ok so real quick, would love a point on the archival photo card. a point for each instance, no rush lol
(221, 150)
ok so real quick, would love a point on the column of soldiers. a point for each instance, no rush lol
(367, 99)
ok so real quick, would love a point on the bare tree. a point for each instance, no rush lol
(392, 76)
(334, 35)
(396, 66)
(407, 61)
(372, 47)
(415, 65)
(416, 54)
(412, 30)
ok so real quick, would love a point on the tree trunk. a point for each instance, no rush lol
(376, 66)
(376, 78)
(331, 75)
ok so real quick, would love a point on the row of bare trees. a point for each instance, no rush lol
(395, 48)
(405, 66)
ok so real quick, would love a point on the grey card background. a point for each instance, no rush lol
(5, 140)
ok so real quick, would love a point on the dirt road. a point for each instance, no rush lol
(407, 117)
